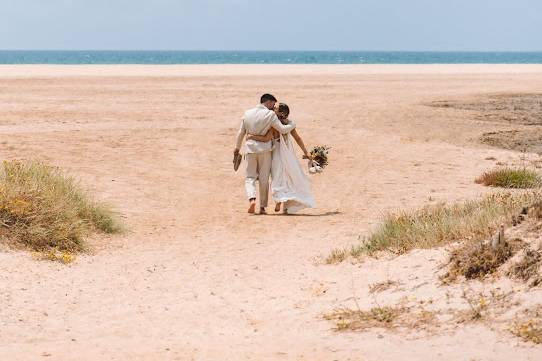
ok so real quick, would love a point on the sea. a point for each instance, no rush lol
(264, 57)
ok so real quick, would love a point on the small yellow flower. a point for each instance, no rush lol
(483, 303)
(67, 257)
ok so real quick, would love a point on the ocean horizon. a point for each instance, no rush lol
(265, 57)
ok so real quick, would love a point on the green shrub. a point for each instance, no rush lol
(510, 178)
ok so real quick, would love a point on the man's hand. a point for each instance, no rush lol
(236, 151)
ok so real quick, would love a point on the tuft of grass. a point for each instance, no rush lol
(483, 306)
(529, 331)
(510, 178)
(65, 257)
(346, 319)
(440, 224)
(43, 209)
(478, 308)
(381, 317)
(477, 259)
(336, 256)
(528, 268)
(382, 286)
(528, 326)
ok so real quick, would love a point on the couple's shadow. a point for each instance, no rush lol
(326, 214)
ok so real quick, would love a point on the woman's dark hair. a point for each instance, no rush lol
(283, 108)
(267, 97)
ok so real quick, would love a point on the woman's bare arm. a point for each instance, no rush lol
(299, 142)
(263, 138)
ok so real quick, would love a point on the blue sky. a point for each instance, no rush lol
(272, 25)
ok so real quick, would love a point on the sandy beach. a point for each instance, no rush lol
(195, 277)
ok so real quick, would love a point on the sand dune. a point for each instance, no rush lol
(196, 278)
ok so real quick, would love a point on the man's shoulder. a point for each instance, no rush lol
(259, 112)
(254, 110)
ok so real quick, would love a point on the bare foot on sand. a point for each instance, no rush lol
(262, 211)
(252, 207)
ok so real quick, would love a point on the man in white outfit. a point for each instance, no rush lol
(257, 121)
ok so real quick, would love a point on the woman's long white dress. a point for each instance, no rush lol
(289, 182)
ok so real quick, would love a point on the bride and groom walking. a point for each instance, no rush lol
(269, 151)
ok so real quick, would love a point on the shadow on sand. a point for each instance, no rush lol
(326, 214)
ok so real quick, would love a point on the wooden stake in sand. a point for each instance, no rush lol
(498, 239)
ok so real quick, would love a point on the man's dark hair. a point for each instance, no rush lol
(267, 97)
(283, 108)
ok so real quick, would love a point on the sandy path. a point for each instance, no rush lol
(197, 278)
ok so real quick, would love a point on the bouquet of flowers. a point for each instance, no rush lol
(318, 159)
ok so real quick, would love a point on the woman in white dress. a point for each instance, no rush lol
(290, 185)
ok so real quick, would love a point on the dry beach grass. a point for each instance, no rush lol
(510, 178)
(438, 225)
(45, 210)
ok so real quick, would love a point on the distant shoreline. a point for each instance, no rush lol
(257, 70)
(192, 57)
